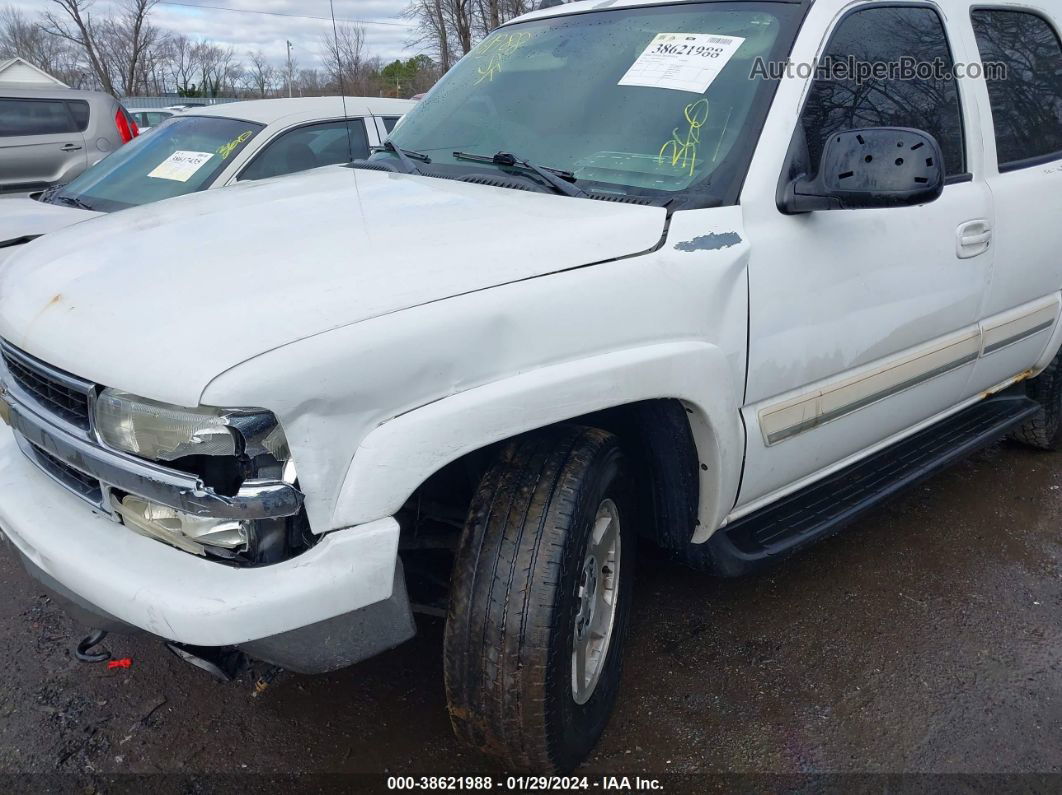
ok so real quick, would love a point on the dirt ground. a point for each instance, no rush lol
(925, 638)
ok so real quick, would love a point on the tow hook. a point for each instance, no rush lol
(223, 663)
(94, 638)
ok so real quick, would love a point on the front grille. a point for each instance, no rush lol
(83, 485)
(69, 404)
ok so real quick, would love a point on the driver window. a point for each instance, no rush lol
(925, 96)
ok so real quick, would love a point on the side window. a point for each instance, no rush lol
(34, 117)
(79, 109)
(308, 147)
(390, 122)
(849, 98)
(1026, 91)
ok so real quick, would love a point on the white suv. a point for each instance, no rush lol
(628, 272)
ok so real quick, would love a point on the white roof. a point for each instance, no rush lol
(269, 111)
(20, 72)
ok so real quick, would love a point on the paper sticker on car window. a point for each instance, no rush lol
(682, 61)
(181, 165)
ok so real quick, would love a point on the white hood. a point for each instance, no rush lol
(160, 299)
(30, 218)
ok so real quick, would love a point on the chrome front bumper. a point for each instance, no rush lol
(57, 447)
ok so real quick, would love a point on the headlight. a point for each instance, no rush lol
(160, 432)
(224, 448)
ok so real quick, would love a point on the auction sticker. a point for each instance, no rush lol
(181, 165)
(682, 61)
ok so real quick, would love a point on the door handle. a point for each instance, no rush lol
(973, 239)
(69, 148)
(976, 240)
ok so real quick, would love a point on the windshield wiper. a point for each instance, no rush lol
(72, 201)
(561, 181)
(404, 156)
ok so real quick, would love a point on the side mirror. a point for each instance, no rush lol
(874, 167)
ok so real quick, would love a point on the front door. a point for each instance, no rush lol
(863, 323)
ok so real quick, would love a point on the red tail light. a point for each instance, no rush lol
(126, 126)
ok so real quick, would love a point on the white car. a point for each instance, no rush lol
(607, 284)
(146, 118)
(209, 147)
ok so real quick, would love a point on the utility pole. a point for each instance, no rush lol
(289, 69)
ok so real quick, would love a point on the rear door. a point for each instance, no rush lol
(1024, 141)
(41, 142)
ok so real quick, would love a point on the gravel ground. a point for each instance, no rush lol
(924, 639)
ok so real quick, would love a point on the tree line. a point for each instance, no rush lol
(125, 54)
(448, 29)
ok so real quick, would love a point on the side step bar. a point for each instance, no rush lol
(826, 506)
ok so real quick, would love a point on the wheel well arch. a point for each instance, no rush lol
(660, 445)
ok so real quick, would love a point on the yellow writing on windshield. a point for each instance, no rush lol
(227, 149)
(495, 50)
(682, 150)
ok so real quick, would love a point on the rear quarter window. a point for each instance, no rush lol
(25, 117)
(79, 110)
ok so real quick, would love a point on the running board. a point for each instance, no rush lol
(826, 506)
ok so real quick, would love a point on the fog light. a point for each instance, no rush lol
(194, 534)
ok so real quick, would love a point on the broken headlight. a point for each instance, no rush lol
(224, 448)
(161, 432)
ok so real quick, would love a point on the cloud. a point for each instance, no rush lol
(248, 28)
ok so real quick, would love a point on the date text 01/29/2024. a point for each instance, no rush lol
(524, 783)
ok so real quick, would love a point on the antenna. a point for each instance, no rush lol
(342, 87)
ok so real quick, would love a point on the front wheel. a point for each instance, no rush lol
(540, 599)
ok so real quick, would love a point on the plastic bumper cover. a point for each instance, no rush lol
(178, 596)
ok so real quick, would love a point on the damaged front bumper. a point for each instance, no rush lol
(337, 603)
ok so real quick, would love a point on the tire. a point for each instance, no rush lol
(1044, 430)
(515, 599)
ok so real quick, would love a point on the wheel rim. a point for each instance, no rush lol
(597, 591)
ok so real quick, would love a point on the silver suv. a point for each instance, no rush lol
(48, 137)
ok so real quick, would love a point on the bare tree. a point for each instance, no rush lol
(136, 39)
(308, 83)
(449, 28)
(73, 22)
(182, 64)
(218, 67)
(260, 74)
(343, 53)
(433, 30)
(23, 37)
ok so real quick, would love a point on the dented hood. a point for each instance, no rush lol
(159, 300)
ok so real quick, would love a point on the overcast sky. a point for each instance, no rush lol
(388, 34)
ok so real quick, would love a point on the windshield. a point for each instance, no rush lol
(656, 100)
(182, 155)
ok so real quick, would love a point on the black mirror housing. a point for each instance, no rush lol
(869, 168)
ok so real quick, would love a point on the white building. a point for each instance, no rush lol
(18, 72)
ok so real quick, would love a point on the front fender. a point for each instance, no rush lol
(399, 455)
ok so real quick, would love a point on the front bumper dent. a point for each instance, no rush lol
(315, 649)
(162, 590)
